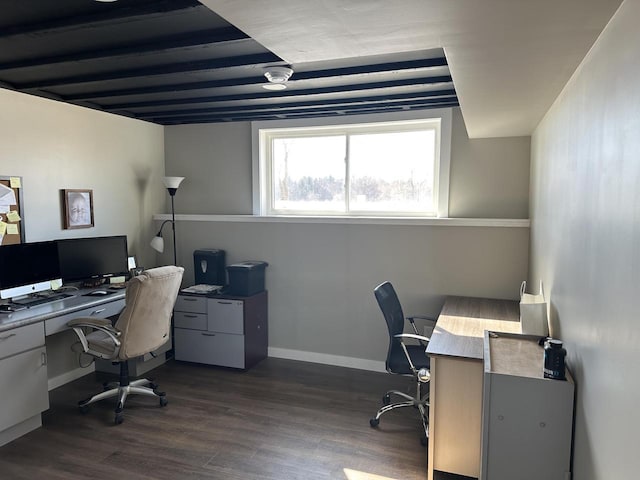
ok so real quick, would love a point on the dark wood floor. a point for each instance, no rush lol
(281, 420)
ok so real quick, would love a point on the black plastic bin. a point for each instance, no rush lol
(246, 278)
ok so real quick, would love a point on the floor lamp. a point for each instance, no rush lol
(157, 243)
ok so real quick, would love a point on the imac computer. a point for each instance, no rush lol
(28, 268)
(92, 258)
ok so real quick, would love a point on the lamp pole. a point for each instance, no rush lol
(173, 225)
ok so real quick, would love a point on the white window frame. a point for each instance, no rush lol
(261, 167)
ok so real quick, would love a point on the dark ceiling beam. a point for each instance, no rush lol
(410, 82)
(149, 46)
(413, 65)
(112, 15)
(182, 67)
(280, 114)
(377, 99)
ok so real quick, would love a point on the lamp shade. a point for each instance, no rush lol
(172, 182)
(157, 243)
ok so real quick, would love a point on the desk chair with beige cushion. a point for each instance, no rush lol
(403, 358)
(143, 326)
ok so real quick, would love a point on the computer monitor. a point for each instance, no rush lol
(28, 268)
(93, 257)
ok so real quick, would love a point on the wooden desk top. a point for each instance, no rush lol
(459, 331)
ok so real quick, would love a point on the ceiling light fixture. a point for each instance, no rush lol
(277, 77)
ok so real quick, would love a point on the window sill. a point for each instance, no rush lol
(413, 221)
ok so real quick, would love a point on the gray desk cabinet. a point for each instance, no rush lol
(23, 380)
(527, 419)
(228, 331)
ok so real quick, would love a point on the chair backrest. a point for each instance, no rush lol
(392, 310)
(145, 322)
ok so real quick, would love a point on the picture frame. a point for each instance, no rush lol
(77, 206)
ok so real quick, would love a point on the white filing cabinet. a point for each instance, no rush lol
(527, 419)
(23, 380)
(228, 331)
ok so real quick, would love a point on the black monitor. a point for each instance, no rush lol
(28, 268)
(93, 258)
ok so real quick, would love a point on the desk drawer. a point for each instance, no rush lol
(226, 316)
(187, 303)
(23, 383)
(192, 321)
(21, 339)
(222, 349)
(104, 310)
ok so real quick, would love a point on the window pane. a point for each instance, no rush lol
(392, 171)
(308, 173)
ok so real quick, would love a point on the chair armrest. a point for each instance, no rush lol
(420, 338)
(422, 317)
(101, 324)
(91, 322)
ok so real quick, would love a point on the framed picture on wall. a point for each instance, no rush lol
(77, 208)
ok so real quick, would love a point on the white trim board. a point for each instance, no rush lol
(409, 221)
(327, 359)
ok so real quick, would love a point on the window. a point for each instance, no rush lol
(390, 168)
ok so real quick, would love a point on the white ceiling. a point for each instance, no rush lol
(509, 59)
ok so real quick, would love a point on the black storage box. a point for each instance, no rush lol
(246, 278)
(209, 266)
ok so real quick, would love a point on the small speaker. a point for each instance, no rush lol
(209, 266)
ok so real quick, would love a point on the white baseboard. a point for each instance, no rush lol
(70, 376)
(327, 359)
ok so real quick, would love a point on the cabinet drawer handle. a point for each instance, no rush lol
(224, 303)
(8, 336)
(189, 299)
(43, 358)
(207, 334)
(95, 312)
(189, 316)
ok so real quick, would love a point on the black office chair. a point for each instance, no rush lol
(404, 358)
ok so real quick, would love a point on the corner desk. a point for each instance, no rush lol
(23, 355)
(456, 359)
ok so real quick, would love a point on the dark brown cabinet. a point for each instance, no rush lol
(228, 331)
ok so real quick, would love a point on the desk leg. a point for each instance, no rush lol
(432, 423)
(455, 416)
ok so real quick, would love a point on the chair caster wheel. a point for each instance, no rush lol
(386, 400)
(153, 386)
(163, 401)
(118, 419)
(374, 422)
(83, 408)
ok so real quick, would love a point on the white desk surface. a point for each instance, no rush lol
(459, 331)
(39, 313)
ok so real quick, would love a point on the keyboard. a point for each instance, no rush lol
(34, 301)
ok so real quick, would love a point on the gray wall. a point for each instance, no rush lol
(489, 177)
(55, 146)
(585, 241)
(321, 275)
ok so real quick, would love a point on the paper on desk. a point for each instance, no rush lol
(13, 216)
(12, 229)
(15, 182)
(4, 208)
(7, 195)
(3, 227)
(202, 289)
